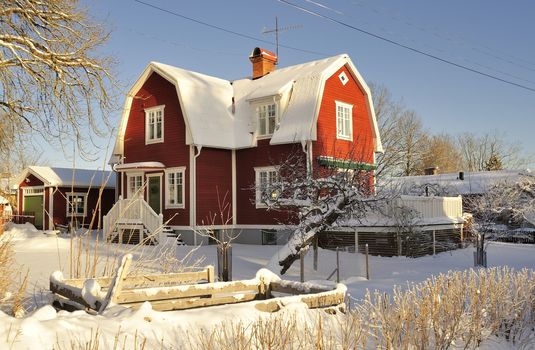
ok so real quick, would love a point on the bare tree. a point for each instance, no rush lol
(441, 151)
(319, 198)
(478, 152)
(402, 135)
(52, 82)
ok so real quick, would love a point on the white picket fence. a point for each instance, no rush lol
(134, 211)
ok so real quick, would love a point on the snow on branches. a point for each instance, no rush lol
(319, 195)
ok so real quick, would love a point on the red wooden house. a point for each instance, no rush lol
(188, 141)
(53, 196)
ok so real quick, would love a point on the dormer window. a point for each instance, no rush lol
(267, 119)
(154, 124)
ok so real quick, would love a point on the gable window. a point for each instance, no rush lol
(154, 124)
(267, 119)
(344, 121)
(76, 204)
(174, 189)
(135, 183)
(265, 178)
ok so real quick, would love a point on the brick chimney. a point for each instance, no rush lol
(263, 61)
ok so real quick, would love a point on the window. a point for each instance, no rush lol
(174, 189)
(154, 124)
(76, 204)
(135, 183)
(343, 78)
(265, 178)
(344, 121)
(267, 119)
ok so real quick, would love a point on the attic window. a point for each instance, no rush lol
(154, 120)
(343, 78)
(267, 119)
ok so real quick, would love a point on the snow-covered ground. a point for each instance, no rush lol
(43, 253)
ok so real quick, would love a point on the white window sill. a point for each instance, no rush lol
(264, 137)
(150, 142)
(346, 138)
(171, 206)
(69, 215)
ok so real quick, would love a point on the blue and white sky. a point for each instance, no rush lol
(491, 36)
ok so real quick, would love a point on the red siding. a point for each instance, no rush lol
(361, 148)
(214, 186)
(173, 152)
(246, 161)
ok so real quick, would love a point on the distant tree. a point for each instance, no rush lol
(441, 151)
(52, 82)
(493, 163)
(401, 133)
(477, 151)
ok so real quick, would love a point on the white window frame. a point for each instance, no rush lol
(139, 191)
(343, 78)
(258, 175)
(70, 196)
(149, 126)
(168, 205)
(258, 111)
(341, 126)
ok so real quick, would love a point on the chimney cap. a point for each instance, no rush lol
(263, 53)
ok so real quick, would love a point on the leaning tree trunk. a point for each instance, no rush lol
(306, 231)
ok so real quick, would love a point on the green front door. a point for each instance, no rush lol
(35, 204)
(154, 195)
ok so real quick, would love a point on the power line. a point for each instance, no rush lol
(213, 26)
(393, 42)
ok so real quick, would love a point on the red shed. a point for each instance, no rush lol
(58, 196)
(188, 142)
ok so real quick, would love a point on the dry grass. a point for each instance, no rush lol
(454, 310)
(12, 283)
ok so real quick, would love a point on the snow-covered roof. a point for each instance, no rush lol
(219, 113)
(473, 183)
(56, 177)
(3, 200)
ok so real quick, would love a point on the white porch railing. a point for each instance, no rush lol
(434, 207)
(132, 211)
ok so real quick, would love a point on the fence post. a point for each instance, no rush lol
(224, 262)
(337, 265)
(356, 241)
(315, 253)
(302, 264)
(367, 262)
(434, 243)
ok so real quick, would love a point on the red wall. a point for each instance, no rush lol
(246, 161)
(214, 186)
(361, 148)
(173, 152)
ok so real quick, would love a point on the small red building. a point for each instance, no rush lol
(60, 196)
(188, 141)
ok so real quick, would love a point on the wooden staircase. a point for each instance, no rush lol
(133, 221)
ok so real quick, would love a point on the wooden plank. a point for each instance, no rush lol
(116, 285)
(182, 304)
(171, 292)
(282, 287)
(141, 280)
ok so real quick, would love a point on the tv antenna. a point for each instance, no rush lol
(276, 30)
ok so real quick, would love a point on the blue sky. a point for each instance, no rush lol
(495, 37)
